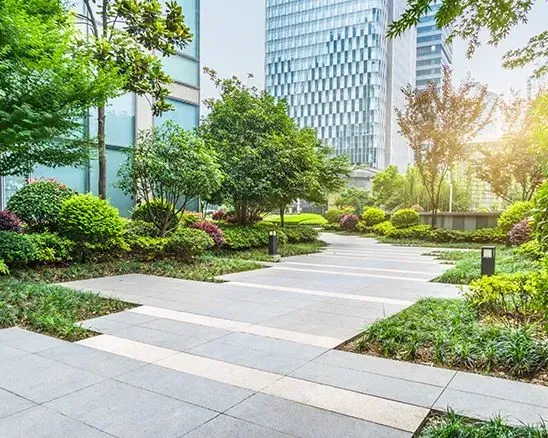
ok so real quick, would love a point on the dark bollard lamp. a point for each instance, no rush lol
(272, 243)
(488, 260)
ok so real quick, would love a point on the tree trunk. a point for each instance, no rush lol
(101, 147)
(282, 217)
(434, 220)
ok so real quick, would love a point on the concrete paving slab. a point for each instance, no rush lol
(11, 403)
(7, 353)
(181, 328)
(25, 340)
(45, 423)
(300, 420)
(200, 391)
(224, 426)
(124, 410)
(159, 338)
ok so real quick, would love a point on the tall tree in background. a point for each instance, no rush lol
(438, 122)
(515, 166)
(388, 188)
(44, 87)
(124, 37)
(468, 18)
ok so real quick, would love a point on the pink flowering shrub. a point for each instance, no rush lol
(9, 221)
(520, 233)
(349, 222)
(212, 230)
(218, 215)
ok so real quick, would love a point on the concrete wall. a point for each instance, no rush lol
(462, 220)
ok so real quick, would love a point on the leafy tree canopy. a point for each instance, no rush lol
(468, 18)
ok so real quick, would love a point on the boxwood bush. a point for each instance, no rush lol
(406, 217)
(296, 234)
(158, 212)
(513, 214)
(237, 237)
(383, 228)
(188, 243)
(38, 204)
(17, 248)
(334, 215)
(372, 216)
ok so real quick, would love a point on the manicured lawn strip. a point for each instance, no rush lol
(448, 333)
(285, 250)
(301, 219)
(468, 265)
(426, 244)
(52, 310)
(451, 425)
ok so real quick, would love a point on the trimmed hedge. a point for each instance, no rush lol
(372, 216)
(406, 217)
(188, 243)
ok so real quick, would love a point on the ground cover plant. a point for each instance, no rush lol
(300, 219)
(52, 310)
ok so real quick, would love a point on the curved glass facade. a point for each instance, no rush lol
(331, 61)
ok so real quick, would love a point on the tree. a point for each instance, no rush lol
(539, 126)
(438, 122)
(516, 160)
(171, 165)
(124, 37)
(251, 133)
(388, 188)
(468, 18)
(44, 87)
(355, 197)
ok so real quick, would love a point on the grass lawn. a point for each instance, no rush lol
(297, 219)
(451, 425)
(52, 310)
(448, 333)
(423, 243)
(468, 265)
(285, 250)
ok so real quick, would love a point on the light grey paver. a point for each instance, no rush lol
(39, 379)
(159, 338)
(415, 393)
(306, 421)
(11, 403)
(123, 410)
(186, 329)
(210, 394)
(21, 339)
(224, 426)
(42, 422)
(387, 367)
(501, 388)
(102, 325)
(8, 353)
(484, 407)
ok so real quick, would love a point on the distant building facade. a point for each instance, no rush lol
(341, 76)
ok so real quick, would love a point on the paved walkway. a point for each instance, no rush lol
(251, 357)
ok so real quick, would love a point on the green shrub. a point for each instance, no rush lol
(158, 212)
(513, 214)
(296, 234)
(51, 247)
(4, 270)
(190, 217)
(334, 215)
(38, 204)
(332, 227)
(140, 228)
(237, 237)
(420, 232)
(188, 243)
(540, 215)
(92, 223)
(362, 227)
(383, 228)
(484, 235)
(405, 217)
(148, 248)
(17, 248)
(297, 219)
(531, 249)
(372, 216)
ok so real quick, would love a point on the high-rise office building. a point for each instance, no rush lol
(433, 51)
(332, 61)
(125, 117)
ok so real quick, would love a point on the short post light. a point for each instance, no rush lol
(488, 260)
(272, 243)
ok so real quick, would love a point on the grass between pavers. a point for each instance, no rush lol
(52, 310)
(468, 265)
(448, 333)
(451, 425)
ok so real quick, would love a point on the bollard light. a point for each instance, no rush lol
(272, 243)
(488, 260)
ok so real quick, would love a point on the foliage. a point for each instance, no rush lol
(439, 122)
(297, 219)
(125, 41)
(452, 425)
(188, 243)
(17, 248)
(384, 228)
(297, 234)
(169, 166)
(388, 187)
(418, 232)
(333, 226)
(514, 214)
(135, 227)
(354, 197)
(92, 223)
(349, 222)
(540, 215)
(237, 237)
(405, 217)
(212, 230)
(447, 332)
(38, 203)
(523, 297)
(285, 250)
(52, 310)
(147, 247)
(218, 215)
(520, 233)
(467, 20)
(9, 221)
(4, 270)
(334, 215)
(190, 217)
(157, 208)
(531, 250)
(44, 87)
(51, 247)
(373, 216)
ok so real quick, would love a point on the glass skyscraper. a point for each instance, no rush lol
(126, 116)
(433, 51)
(340, 75)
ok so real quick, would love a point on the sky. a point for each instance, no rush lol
(233, 38)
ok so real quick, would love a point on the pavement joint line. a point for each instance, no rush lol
(366, 407)
(236, 326)
(371, 257)
(445, 388)
(366, 298)
(351, 274)
(356, 267)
